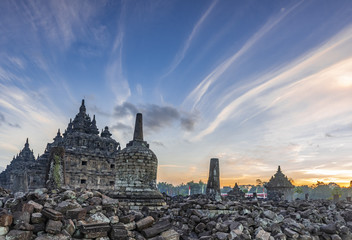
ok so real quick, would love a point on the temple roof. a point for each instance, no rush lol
(279, 180)
(26, 154)
(82, 123)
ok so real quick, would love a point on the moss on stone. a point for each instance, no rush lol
(56, 170)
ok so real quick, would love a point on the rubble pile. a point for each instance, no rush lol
(81, 214)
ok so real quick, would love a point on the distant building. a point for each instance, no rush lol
(260, 191)
(279, 187)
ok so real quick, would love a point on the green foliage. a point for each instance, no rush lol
(56, 170)
(182, 189)
(336, 191)
(298, 190)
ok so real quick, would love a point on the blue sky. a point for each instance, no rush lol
(255, 83)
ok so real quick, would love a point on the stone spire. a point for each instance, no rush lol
(58, 136)
(93, 126)
(82, 109)
(138, 133)
(213, 186)
(138, 128)
(26, 145)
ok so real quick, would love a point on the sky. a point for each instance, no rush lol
(256, 84)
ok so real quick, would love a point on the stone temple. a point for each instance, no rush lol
(83, 158)
(279, 187)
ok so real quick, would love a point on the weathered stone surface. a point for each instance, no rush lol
(5, 218)
(118, 233)
(95, 230)
(262, 235)
(156, 229)
(19, 235)
(98, 218)
(36, 206)
(77, 213)
(37, 218)
(4, 231)
(53, 227)
(145, 223)
(21, 217)
(52, 214)
(170, 235)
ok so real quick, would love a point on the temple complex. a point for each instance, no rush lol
(279, 187)
(87, 159)
(15, 176)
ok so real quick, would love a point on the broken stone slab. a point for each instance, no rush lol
(262, 235)
(5, 218)
(127, 219)
(95, 230)
(64, 206)
(53, 227)
(118, 233)
(159, 227)
(70, 227)
(77, 213)
(19, 235)
(52, 214)
(37, 218)
(145, 223)
(21, 217)
(170, 234)
(4, 231)
(27, 208)
(98, 218)
(290, 233)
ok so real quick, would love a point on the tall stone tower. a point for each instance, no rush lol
(136, 165)
(213, 186)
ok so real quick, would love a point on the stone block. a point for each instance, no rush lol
(38, 227)
(27, 208)
(19, 235)
(98, 218)
(37, 218)
(95, 230)
(70, 227)
(118, 232)
(53, 227)
(52, 214)
(159, 227)
(127, 219)
(78, 213)
(4, 231)
(21, 217)
(170, 235)
(5, 218)
(145, 223)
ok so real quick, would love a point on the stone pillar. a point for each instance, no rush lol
(213, 186)
(138, 128)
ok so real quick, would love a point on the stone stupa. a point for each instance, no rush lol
(136, 171)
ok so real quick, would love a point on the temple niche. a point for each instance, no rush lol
(279, 187)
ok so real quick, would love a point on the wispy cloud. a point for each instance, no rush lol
(114, 70)
(196, 95)
(287, 81)
(183, 51)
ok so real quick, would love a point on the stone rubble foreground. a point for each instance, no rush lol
(81, 214)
